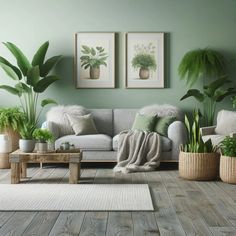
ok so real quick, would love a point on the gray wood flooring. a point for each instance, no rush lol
(181, 207)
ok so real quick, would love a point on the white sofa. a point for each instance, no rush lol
(102, 147)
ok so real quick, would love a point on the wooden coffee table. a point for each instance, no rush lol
(20, 159)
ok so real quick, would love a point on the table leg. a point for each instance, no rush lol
(23, 170)
(15, 172)
(74, 173)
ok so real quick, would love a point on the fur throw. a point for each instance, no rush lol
(58, 115)
(162, 110)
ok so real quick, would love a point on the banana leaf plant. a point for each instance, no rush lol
(31, 80)
(212, 94)
(234, 101)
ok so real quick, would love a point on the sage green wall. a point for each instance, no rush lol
(188, 24)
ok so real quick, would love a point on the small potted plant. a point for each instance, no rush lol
(43, 136)
(197, 160)
(93, 58)
(228, 160)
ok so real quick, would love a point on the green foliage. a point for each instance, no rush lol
(195, 143)
(144, 61)
(234, 101)
(93, 57)
(11, 118)
(212, 94)
(26, 130)
(43, 135)
(228, 146)
(31, 80)
(201, 63)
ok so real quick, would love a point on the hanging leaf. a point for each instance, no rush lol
(7, 63)
(39, 56)
(21, 59)
(194, 93)
(10, 90)
(33, 76)
(9, 71)
(45, 102)
(48, 65)
(43, 84)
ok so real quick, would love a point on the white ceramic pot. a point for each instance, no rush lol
(5, 143)
(42, 147)
(26, 145)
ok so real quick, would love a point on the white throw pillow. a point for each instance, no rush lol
(226, 122)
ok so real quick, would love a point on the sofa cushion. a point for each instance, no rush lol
(165, 142)
(162, 124)
(215, 138)
(82, 125)
(226, 121)
(100, 142)
(144, 122)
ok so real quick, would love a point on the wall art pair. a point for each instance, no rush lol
(95, 60)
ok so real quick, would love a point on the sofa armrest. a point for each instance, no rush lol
(207, 130)
(52, 127)
(232, 135)
(177, 133)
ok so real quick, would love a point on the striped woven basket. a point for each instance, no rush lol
(199, 166)
(228, 169)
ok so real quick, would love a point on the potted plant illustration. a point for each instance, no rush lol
(43, 136)
(228, 160)
(32, 79)
(144, 60)
(197, 160)
(93, 58)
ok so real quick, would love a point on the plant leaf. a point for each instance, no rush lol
(39, 56)
(16, 70)
(48, 65)
(33, 76)
(47, 101)
(10, 90)
(43, 84)
(9, 71)
(193, 93)
(22, 88)
(21, 59)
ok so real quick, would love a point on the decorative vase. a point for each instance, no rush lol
(14, 136)
(144, 73)
(94, 72)
(42, 147)
(228, 169)
(5, 143)
(27, 145)
(198, 166)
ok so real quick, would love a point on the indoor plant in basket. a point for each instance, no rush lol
(228, 160)
(43, 136)
(197, 160)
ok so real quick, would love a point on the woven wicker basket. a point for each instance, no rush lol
(228, 169)
(198, 166)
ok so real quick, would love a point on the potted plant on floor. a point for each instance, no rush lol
(197, 160)
(93, 58)
(43, 136)
(228, 160)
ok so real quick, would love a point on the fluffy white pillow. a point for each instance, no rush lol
(226, 122)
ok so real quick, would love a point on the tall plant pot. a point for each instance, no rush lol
(199, 166)
(144, 73)
(228, 169)
(27, 145)
(15, 136)
(94, 72)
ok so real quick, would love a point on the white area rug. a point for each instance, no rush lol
(75, 197)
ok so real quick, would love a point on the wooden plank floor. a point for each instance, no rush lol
(181, 207)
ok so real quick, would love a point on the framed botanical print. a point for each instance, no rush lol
(94, 60)
(145, 60)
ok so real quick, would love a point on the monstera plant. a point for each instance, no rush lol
(31, 80)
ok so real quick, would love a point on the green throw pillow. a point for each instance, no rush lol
(144, 123)
(162, 124)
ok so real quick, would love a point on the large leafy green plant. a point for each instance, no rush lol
(32, 79)
(195, 143)
(201, 63)
(210, 96)
(93, 57)
(43, 135)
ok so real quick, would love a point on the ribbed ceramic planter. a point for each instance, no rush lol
(199, 166)
(228, 169)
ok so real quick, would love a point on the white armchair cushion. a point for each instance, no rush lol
(226, 122)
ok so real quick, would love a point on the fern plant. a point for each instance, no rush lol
(201, 63)
(144, 61)
(195, 143)
(43, 135)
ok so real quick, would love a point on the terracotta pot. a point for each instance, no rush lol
(199, 166)
(94, 72)
(228, 169)
(144, 73)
